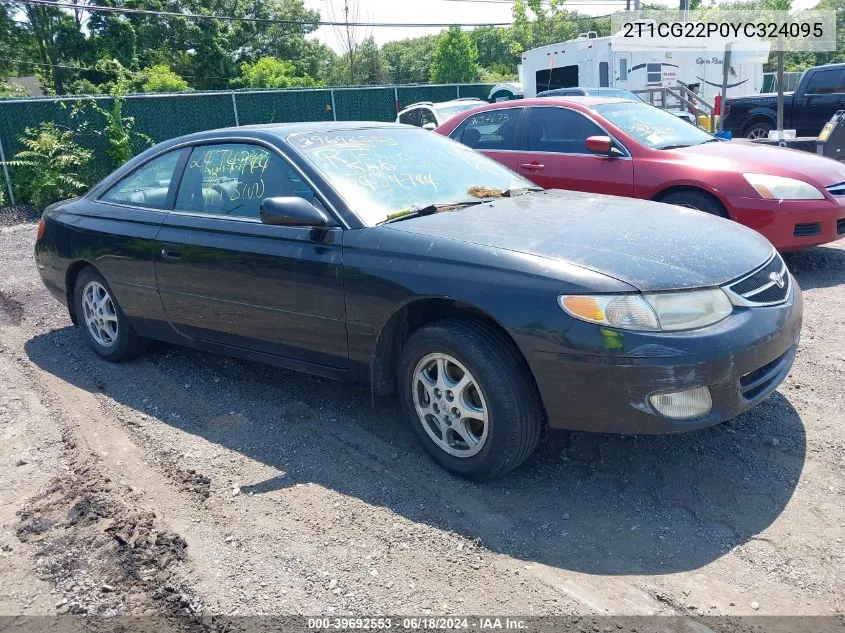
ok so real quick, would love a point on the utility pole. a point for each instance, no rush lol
(350, 43)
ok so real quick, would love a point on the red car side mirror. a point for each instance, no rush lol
(600, 145)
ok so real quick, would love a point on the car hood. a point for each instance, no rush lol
(744, 156)
(649, 245)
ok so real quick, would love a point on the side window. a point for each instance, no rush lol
(654, 73)
(411, 117)
(623, 69)
(232, 179)
(604, 74)
(560, 77)
(825, 82)
(427, 116)
(492, 129)
(148, 185)
(560, 130)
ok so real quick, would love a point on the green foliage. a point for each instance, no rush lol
(160, 78)
(12, 90)
(455, 58)
(409, 61)
(48, 168)
(269, 72)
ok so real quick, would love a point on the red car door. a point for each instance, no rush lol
(494, 133)
(557, 156)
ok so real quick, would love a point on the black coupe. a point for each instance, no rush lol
(390, 255)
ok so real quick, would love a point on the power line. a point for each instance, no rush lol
(231, 18)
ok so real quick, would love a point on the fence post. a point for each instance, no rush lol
(458, 88)
(334, 111)
(396, 100)
(235, 110)
(6, 174)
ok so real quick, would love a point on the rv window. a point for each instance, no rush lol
(623, 69)
(491, 129)
(560, 130)
(655, 75)
(604, 75)
(563, 77)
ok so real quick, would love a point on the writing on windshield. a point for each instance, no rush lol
(380, 171)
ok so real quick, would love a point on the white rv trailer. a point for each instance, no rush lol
(591, 61)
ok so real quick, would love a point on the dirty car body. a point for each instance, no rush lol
(343, 297)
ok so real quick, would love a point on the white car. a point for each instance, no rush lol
(429, 115)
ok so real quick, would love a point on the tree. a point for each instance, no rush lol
(455, 58)
(494, 49)
(370, 68)
(269, 72)
(160, 78)
(409, 60)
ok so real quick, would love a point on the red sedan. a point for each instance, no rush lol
(611, 146)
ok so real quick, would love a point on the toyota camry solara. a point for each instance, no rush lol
(386, 254)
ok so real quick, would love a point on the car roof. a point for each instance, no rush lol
(282, 130)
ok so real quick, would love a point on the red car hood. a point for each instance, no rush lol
(745, 156)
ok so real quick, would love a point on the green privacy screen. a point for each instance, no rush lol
(162, 117)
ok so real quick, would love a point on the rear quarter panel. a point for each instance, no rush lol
(118, 241)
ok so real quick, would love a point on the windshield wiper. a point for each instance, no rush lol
(407, 214)
(518, 191)
(678, 146)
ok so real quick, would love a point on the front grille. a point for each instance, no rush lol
(840, 226)
(806, 230)
(759, 381)
(761, 287)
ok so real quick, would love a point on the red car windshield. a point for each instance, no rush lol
(652, 126)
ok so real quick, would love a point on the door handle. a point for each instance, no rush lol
(531, 166)
(172, 255)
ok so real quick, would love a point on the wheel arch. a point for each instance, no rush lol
(71, 275)
(681, 188)
(758, 117)
(410, 317)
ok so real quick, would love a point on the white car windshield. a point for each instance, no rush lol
(380, 172)
(652, 126)
(447, 112)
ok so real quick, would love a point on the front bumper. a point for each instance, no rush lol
(791, 224)
(607, 387)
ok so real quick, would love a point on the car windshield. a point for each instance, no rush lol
(380, 172)
(652, 126)
(447, 112)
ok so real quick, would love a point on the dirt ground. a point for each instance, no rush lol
(185, 482)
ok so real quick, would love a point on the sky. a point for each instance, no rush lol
(441, 11)
(427, 11)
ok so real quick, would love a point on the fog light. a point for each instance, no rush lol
(683, 404)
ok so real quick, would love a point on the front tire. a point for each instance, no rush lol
(697, 200)
(759, 130)
(102, 321)
(469, 399)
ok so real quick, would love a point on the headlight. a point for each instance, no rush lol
(661, 311)
(780, 188)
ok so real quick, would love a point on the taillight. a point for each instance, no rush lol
(40, 232)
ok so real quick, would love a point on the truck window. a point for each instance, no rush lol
(655, 73)
(824, 82)
(551, 78)
(604, 74)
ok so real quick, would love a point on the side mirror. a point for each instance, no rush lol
(600, 145)
(291, 211)
(429, 126)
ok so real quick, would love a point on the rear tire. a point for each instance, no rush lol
(101, 319)
(698, 200)
(470, 373)
(759, 130)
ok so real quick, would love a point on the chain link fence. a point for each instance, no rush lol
(164, 116)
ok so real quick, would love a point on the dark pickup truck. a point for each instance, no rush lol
(819, 94)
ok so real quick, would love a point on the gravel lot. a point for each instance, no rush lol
(185, 482)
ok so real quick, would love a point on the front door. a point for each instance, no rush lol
(620, 71)
(227, 278)
(824, 95)
(557, 156)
